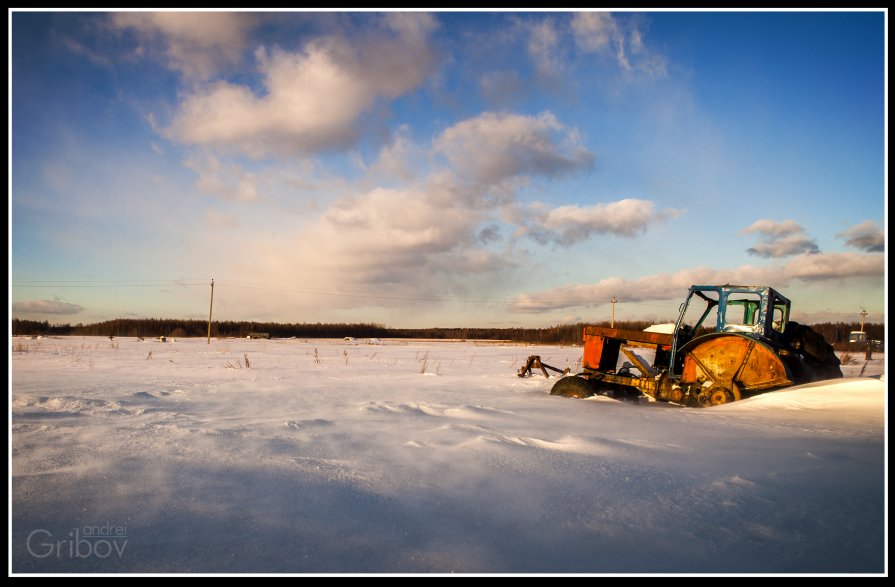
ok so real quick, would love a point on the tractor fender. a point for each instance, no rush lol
(730, 358)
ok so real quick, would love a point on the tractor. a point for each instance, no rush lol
(729, 342)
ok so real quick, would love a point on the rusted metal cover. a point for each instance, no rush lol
(601, 345)
(631, 336)
(593, 351)
(750, 363)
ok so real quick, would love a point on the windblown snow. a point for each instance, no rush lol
(424, 457)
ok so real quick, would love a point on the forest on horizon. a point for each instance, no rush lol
(835, 333)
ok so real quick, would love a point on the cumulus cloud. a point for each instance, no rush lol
(784, 246)
(603, 33)
(494, 147)
(774, 228)
(311, 99)
(825, 266)
(779, 239)
(405, 230)
(669, 286)
(402, 227)
(408, 241)
(653, 287)
(867, 236)
(407, 234)
(55, 306)
(223, 179)
(567, 225)
(414, 237)
(394, 219)
(417, 237)
(197, 44)
(399, 158)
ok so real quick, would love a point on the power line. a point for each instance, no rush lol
(57, 286)
(54, 283)
(107, 281)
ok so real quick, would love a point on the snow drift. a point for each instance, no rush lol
(412, 456)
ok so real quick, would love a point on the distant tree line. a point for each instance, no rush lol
(173, 328)
(184, 328)
(834, 333)
(34, 327)
(837, 333)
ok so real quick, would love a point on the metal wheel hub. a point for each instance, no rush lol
(720, 393)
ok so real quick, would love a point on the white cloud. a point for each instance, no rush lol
(669, 286)
(774, 228)
(437, 223)
(404, 228)
(416, 235)
(312, 99)
(399, 158)
(566, 225)
(786, 246)
(223, 179)
(595, 31)
(543, 48)
(390, 220)
(399, 242)
(494, 147)
(603, 33)
(867, 236)
(55, 306)
(780, 239)
(824, 266)
(407, 230)
(197, 44)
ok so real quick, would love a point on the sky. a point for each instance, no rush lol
(422, 169)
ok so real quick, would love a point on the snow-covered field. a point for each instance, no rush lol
(419, 456)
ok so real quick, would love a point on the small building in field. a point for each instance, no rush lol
(258, 335)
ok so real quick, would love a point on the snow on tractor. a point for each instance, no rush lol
(729, 342)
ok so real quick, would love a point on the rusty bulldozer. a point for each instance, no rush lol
(729, 342)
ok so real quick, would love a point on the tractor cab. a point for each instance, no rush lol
(753, 311)
(734, 308)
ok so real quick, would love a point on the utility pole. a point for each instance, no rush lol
(210, 304)
(612, 301)
(868, 351)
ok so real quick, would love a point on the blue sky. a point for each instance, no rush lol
(444, 169)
